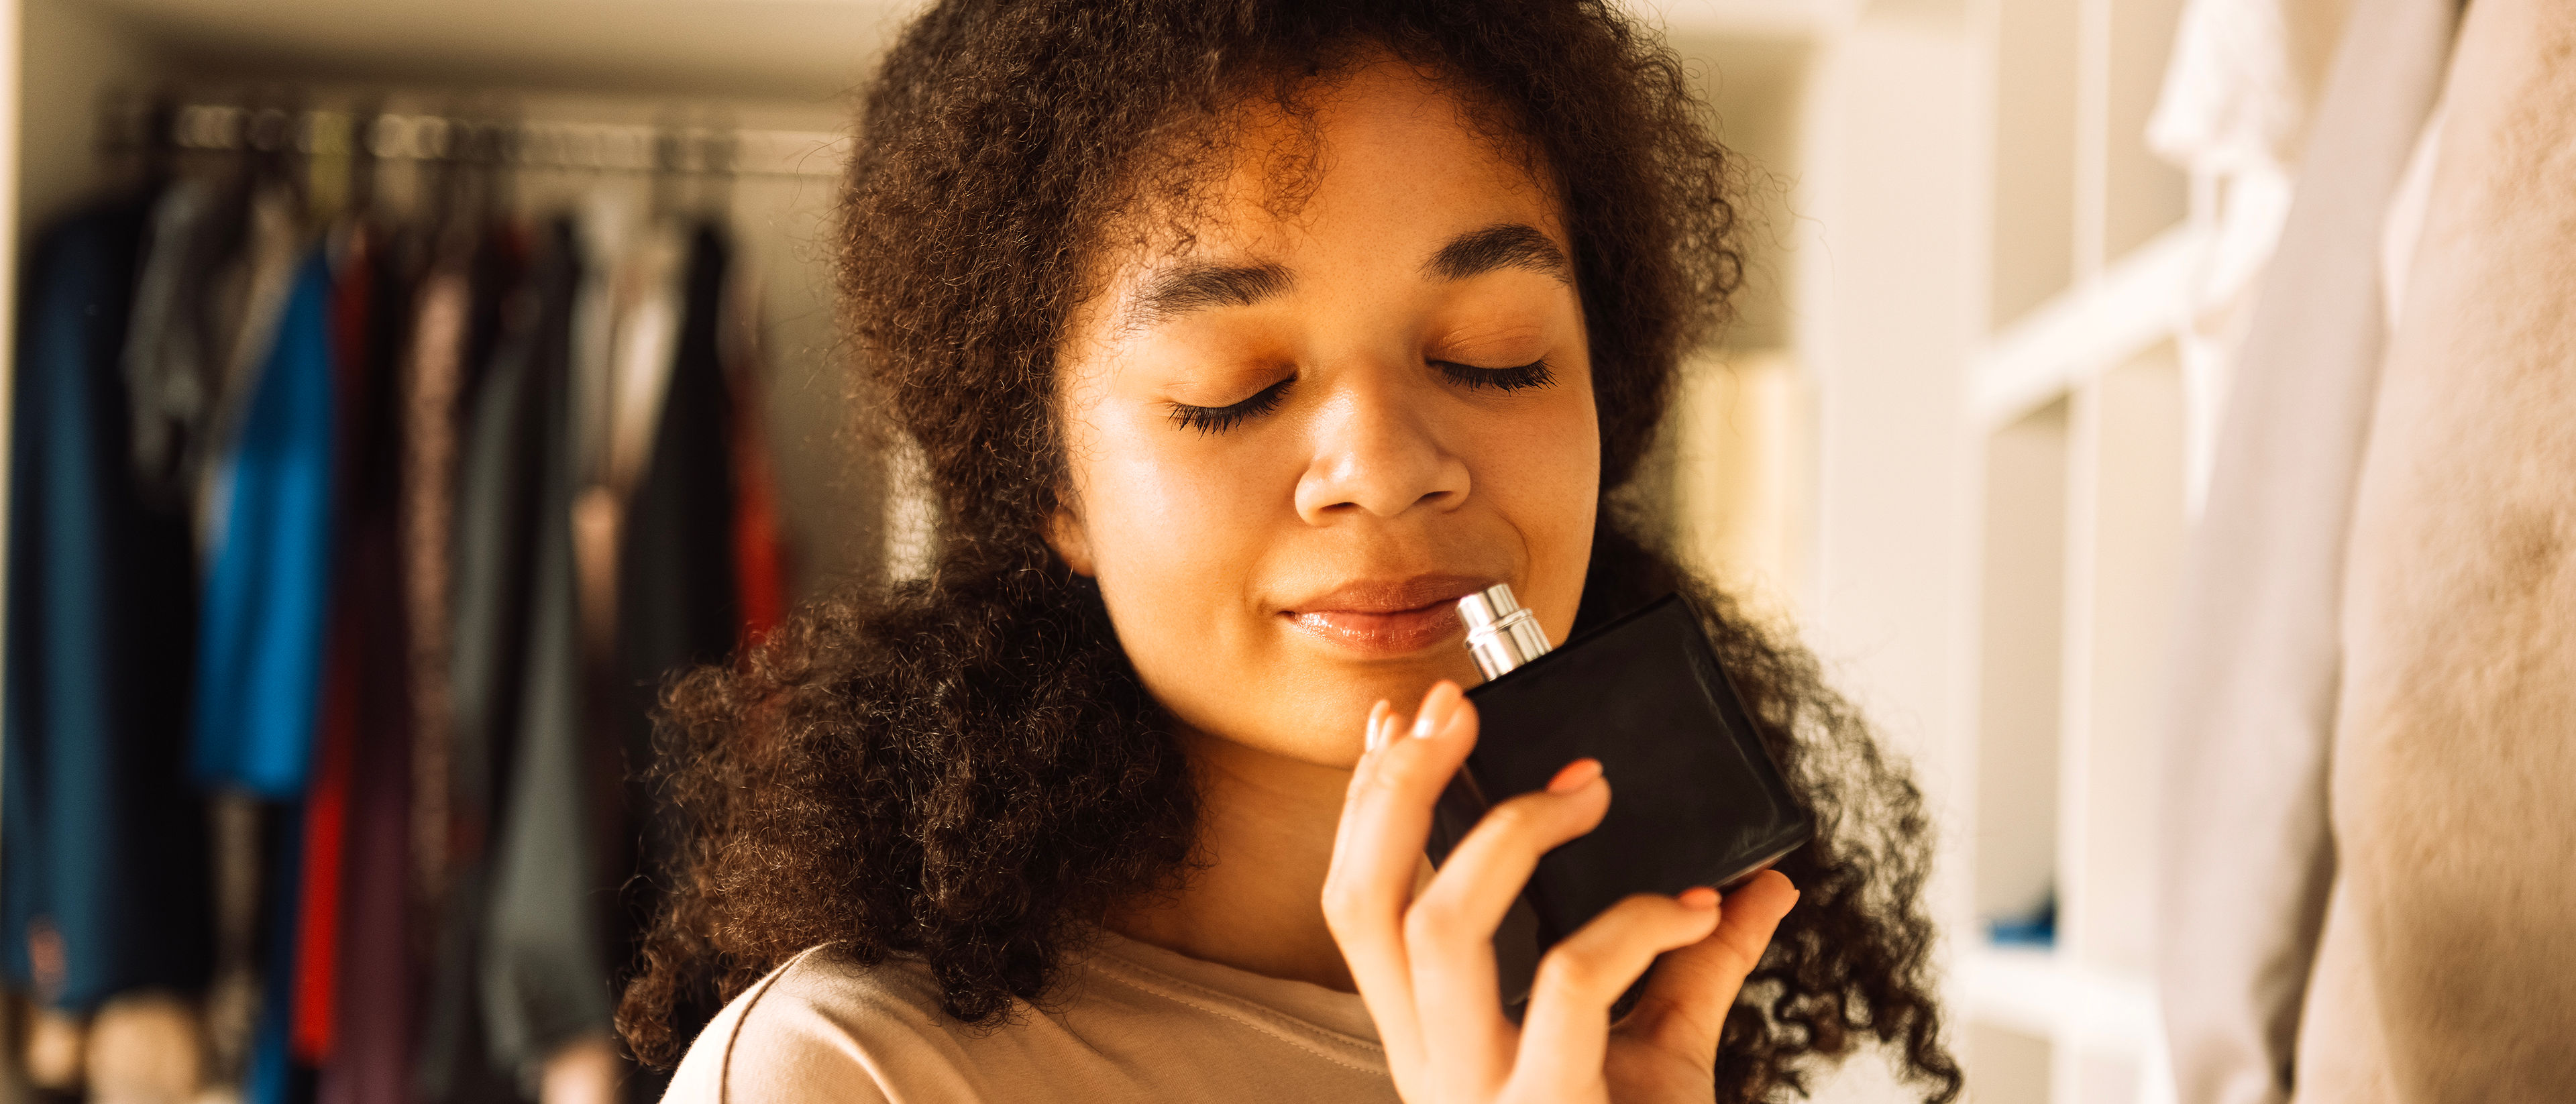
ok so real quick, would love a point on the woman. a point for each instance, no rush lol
(1241, 340)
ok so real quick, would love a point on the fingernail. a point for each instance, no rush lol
(1457, 716)
(1436, 708)
(1698, 897)
(1575, 776)
(1378, 724)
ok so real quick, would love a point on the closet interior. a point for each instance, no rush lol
(462, 369)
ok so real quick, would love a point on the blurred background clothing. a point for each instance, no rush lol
(2144, 408)
(2454, 758)
(357, 542)
(104, 869)
(2250, 860)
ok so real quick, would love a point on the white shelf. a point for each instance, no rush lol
(2137, 301)
(2094, 265)
(2103, 1036)
(2037, 993)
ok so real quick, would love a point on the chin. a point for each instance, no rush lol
(1305, 703)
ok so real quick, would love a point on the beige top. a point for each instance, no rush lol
(1130, 1022)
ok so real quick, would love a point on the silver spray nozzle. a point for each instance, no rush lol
(1500, 634)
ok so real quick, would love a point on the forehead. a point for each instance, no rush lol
(1373, 153)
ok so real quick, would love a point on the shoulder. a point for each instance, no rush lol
(1129, 1023)
(823, 1028)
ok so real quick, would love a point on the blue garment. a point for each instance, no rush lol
(102, 850)
(259, 670)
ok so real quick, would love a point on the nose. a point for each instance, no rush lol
(1378, 452)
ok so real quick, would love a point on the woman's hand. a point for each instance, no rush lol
(1424, 959)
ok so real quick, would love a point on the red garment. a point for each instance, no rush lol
(313, 1011)
(759, 567)
(312, 1015)
(759, 550)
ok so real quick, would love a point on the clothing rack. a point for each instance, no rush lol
(399, 471)
(502, 142)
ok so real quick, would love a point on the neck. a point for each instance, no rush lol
(1265, 841)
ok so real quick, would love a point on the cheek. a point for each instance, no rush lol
(1176, 530)
(1542, 472)
(1556, 451)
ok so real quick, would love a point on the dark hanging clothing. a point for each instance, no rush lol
(432, 373)
(678, 591)
(378, 988)
(497, 275)
(679, 583)
(102, 852)
(180, 336)
(368, 1056)
(273, 1076)
(511, 492)
(678, 595)
(544, 967)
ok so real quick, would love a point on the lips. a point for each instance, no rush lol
(1386, 617)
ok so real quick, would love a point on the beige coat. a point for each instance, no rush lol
(2247, 857)
(2448, 970)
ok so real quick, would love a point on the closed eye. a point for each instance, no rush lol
(1217, 419)
(1533, 374)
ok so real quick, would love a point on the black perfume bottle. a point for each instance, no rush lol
(1694, 799)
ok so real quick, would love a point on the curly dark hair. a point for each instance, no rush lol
(965, 768)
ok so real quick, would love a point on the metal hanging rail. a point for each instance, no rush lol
(516, 143)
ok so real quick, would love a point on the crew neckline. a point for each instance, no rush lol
(1311, 1005)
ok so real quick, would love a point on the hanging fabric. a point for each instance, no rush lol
(343, 579)
(103, 882)
(178, 340)
(544, 962)
(496, 526)
(679, 597)
(367, 1057)
(2246, 857)
(317, 953)
(434, 371)
(759, 536)
(267, 586)
(272, 1076)
(2444, 971)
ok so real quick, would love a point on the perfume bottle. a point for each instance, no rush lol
(1694, 799)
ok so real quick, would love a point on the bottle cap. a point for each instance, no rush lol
(1500, 634)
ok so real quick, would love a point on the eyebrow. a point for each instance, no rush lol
(1197, 287)
(1502, 245)
(1200, 286)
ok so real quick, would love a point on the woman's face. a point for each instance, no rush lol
(1352, 398)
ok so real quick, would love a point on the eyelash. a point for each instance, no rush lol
(1210, 420)
(1521, 378)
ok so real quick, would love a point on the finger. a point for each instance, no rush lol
(1566, 1035)
(1362, 905)
(1449, 931)
(1377, 851)
(1684, 1005)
